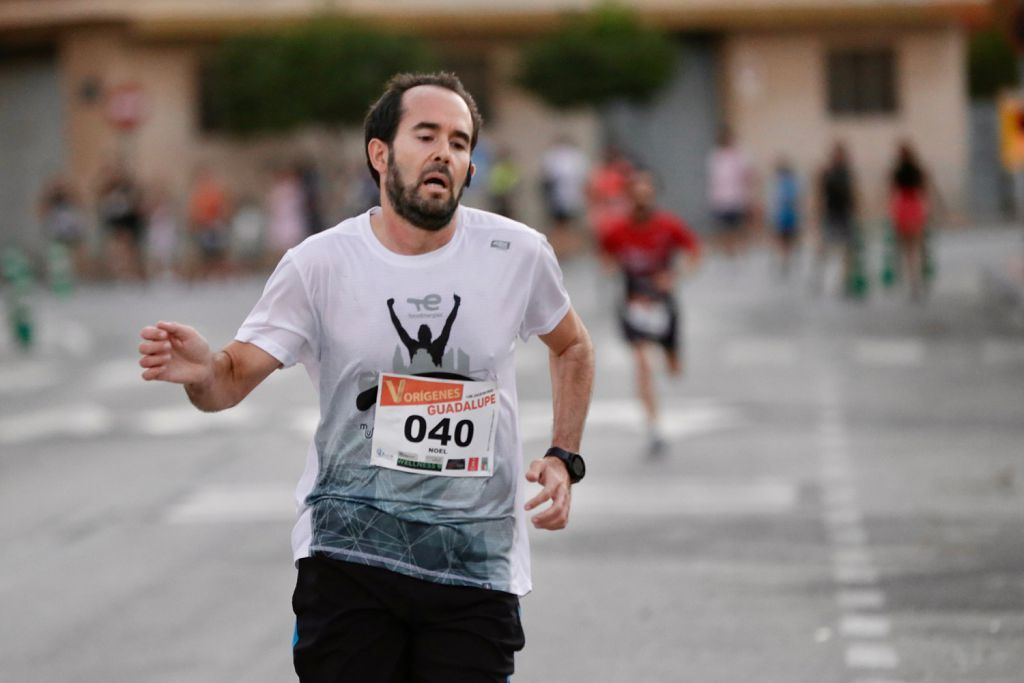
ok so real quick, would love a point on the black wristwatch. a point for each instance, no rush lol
(573, 462)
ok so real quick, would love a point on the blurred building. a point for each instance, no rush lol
(86, 82)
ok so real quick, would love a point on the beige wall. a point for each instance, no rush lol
(776, 103)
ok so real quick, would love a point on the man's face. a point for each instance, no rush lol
(641, 191)
(429, 159)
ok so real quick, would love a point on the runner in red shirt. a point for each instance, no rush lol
(643, 245)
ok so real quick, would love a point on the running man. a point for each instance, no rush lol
(643, 245)
(411, 541)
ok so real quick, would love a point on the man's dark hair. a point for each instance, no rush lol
(382, 120)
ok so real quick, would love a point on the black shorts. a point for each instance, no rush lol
(668, 337)
(370, 625)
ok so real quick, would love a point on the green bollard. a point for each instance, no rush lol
(890, 260)
(928, 257)
(17, 271)
(856, 286)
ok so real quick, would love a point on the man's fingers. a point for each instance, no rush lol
(540, 498)
(152, 373)
(152, 361)
(536, 467)
(556, 516)
(153, 333)
(151, 347)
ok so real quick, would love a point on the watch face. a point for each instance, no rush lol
(578, 467)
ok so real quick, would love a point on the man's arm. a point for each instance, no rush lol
(572, 378)
(176, 353)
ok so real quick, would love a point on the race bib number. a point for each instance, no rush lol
(435, 426)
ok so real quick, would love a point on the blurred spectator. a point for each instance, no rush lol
(563, 183)
(208, 214)
(608, 189)
(837, 215)
(730, 191)
(503, 182)
(162, 233)
(286, 216)
(908, 211)
(248, 232)
(310, 181)
(121, 217)
(63, 221)
(786, 213)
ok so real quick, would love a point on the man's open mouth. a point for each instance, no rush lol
(437, 180)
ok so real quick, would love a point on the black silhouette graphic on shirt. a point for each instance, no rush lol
(425, 341)
(434, 348)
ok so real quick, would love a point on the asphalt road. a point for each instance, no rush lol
(842, 499)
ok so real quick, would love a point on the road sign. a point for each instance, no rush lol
(126, 106)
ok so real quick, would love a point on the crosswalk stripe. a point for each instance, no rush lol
(885, 352)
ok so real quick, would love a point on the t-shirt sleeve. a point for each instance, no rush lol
(685, 237)
(282, 322)
(547, 302)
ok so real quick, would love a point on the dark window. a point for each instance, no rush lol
(862, 81)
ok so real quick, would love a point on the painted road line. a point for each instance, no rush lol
(871, 656)
(686, 497)
(76, 421)
(260, 502)
(761, 352)
(116, 375)
(26, 376)
(1002, 352)
(186, 419)
(849, 535)
(855, 575)
(865, 626)
(852, 556)
(886, 352)
(860, 599)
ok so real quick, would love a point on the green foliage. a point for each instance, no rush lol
(597, 57)
(329, 72)
(991, 64)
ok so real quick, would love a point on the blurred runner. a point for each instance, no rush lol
(63, 221)
(608, 190)
(786, 213)
(563, 182)
(837, 216)
(411, 542)
(730, 192)
(643, 245)
(121, 215)
(209, 214)
(908, 211)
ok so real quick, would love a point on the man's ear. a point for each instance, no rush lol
(469, 174)
(378, 153)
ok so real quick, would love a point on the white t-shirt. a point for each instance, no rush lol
(729, 173)
(566, 167)
(326, 306)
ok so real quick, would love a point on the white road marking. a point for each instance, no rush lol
(761, 352)
(28, 375)
(75, 420)
(187, 420)
(673, 497)
(679, 421)
(852, 556)
(850, 535)
(885, 352)
(235, 503)
(995, 352)
(850, 575)
(859, 599)
(864, 626)
(117, 374)
(871, 656)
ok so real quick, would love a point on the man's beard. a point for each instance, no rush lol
(428, 214)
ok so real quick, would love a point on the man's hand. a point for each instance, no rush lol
(175, 353)
(552, 475)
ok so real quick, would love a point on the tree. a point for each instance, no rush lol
(991, 64)
(328, 71)
(597, 57)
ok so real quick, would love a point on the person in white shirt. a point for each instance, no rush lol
(730, 192)
(411, 540)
